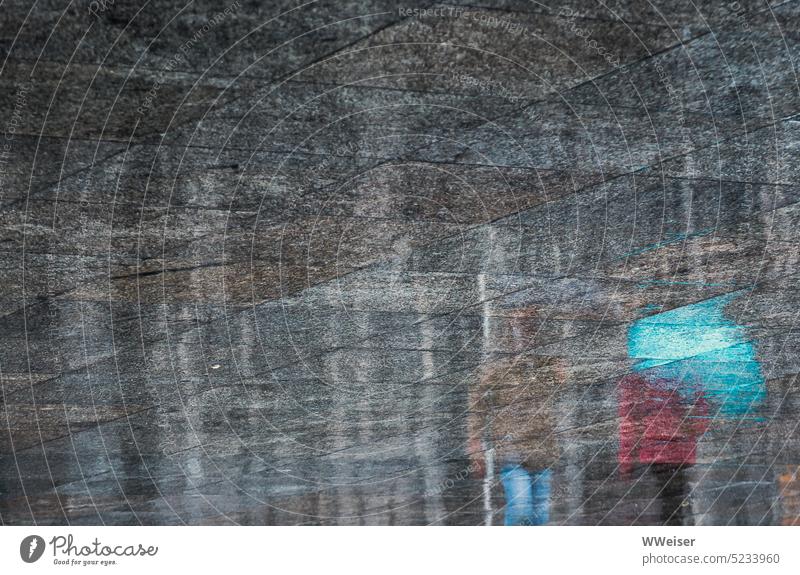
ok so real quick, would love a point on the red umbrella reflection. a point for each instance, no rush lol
(659, 423)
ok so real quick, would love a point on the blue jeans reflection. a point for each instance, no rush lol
(527, 495)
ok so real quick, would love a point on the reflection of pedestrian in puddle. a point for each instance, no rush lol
(695, 365)
(511, 429)
(659, 427)
(658, 424)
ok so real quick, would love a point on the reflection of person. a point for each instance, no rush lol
(693, 364)
(511, 430)
(658, 423)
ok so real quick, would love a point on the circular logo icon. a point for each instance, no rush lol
(31, 548)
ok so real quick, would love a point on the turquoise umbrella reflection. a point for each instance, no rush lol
(701, 350)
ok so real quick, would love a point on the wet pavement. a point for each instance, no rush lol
(345, 262)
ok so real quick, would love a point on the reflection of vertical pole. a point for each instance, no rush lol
(485, 313)
(488, 480)
(433, 475)
(488, 477)
(486, 305)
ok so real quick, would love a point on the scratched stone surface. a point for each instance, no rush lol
(353, 262)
